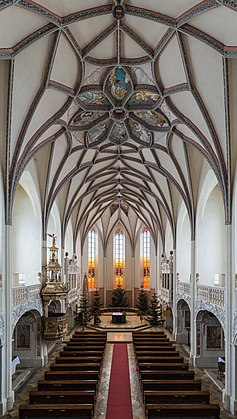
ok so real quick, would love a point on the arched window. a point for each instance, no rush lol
(91, 259)
(119, 258)
(146, 258)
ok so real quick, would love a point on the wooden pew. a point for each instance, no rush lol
(151, 343)
(78, 359)
(156, 333)
(67, 385)
(68, 397)
(91, 345)
(82, 411)
(167, 375)
(71, 375)
(159, 359)
(155, 339)
(189, 397)
(76, 366)
(88, 333)
(86, 343)
(156, 348)
(204, 411)
(86, 354)
(84, 348)
(157, 352)
(166, 385)
(146, 366)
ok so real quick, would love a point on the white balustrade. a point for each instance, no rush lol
(213, 295)
(166, 295)
(23, 294)
(184, 288)
(72, 296)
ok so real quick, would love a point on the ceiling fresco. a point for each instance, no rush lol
(120, 105)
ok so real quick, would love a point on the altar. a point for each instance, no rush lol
(119, 317)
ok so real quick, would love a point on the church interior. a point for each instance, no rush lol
(118, 203)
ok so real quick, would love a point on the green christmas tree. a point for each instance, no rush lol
(142, 302)
(84, 315)
(154, 311)
(119, 298)
(96, 305)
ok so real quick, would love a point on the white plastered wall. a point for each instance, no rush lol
(26, 242)
(1, 239)
(68, 244)
(210, 228)
(168, 239)
(183, 253)
(54, 226)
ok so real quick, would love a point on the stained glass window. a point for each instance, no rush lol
(146, 258)
(119, 258)
(91, 259)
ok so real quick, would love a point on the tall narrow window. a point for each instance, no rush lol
(91, 259)
(146, 257)
(119, 258)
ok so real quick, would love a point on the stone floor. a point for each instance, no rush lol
(21, 395)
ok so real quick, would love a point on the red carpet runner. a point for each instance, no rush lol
(119, 398)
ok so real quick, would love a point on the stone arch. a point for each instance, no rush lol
(209, 339)
(27, 343)
(183, 322)
(19, 311)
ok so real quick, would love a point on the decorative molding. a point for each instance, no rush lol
(185, 297)
(18, 311)
(219, 312)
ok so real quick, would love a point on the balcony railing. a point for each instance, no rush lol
(72, 296)
(213, 295)
(184, 288)
(23, 294)
(166, 295)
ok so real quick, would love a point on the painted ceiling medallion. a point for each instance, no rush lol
(143, 99)
(119, 133)
(118, 84)
(118, 112)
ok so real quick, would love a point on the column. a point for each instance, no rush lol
(7, 349)
(133, 280)
(105, 280)
(44, 349)
(229, 391)
(174, 295)
(193, 303)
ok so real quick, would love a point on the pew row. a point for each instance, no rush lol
(180, 397)
(160, 411)
(59, 397)
(65, 411)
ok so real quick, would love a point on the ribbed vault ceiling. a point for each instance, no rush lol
(119, 106)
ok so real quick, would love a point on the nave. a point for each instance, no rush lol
(140, 362)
